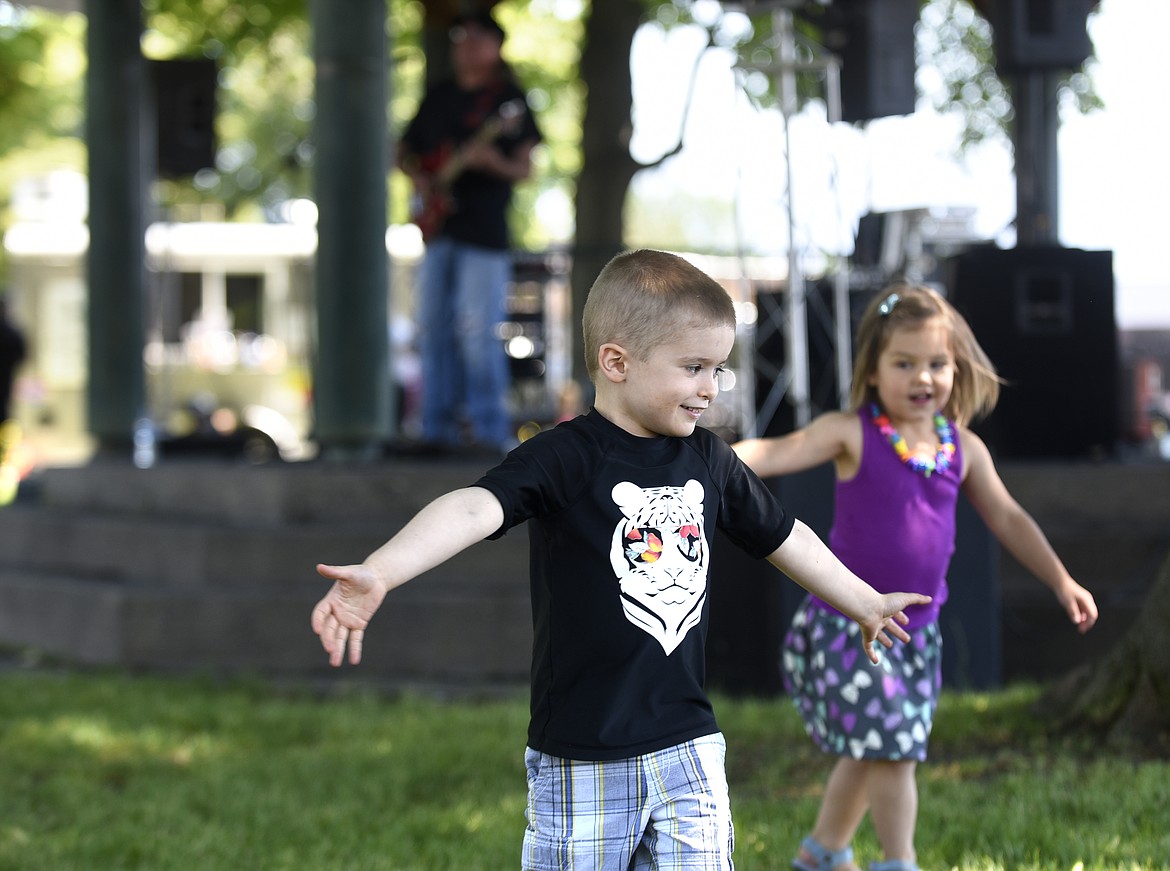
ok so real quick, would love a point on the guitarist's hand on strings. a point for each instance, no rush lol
(487, 157)
(479, 155)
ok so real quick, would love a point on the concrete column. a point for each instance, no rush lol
(351, 380)
(115, 263)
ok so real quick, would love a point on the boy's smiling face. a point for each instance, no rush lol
(666, 393)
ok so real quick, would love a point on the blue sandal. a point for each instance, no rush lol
(823, 859)
(893, 865)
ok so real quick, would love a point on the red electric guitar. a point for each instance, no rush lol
(433, 201)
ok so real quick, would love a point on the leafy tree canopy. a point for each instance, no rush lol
(40, 76)
(266, 103)
(265, 100)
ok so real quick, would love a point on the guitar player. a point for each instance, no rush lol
(469, 144)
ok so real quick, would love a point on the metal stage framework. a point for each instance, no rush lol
(789, 379)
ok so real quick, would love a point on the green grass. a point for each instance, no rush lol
(107, 771)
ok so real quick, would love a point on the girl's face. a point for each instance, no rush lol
(668, 392)
(915, 372)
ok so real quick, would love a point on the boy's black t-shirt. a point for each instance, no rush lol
(621, 530)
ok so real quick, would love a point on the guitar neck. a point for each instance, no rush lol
(445, 166)
(455, 165)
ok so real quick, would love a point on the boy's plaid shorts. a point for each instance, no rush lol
(667, 810)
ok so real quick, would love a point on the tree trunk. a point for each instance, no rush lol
(1124, 699)
(607, 167)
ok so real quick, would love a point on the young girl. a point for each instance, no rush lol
(901, 455)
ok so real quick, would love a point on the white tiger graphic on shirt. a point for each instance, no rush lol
(659, 554)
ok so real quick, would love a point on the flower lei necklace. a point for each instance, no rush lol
(946, 443)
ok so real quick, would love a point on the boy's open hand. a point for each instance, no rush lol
(889, 622)
(340, 619)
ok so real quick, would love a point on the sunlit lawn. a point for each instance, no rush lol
(108, 771)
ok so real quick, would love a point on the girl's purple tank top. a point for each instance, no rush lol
(894, 527)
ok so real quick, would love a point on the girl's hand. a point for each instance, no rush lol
(341, 617)
(889, 622)
(1079, 604)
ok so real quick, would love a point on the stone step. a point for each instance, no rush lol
(425, 632)
(255, 495)
(1117, 565)
(186, 553)
(209, 566)
(1110, 525)
(1092, 498)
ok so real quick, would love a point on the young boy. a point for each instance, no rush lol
(625, 761)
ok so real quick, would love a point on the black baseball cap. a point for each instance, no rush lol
(480, 20)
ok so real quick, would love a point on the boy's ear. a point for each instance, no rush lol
(612, 361)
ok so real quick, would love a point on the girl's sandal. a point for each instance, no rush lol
(823, 859)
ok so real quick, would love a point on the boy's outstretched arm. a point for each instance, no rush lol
(450, 524)
(806, 559)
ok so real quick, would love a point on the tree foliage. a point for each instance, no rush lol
(22, 52)
(267, 104)
(957, 71)
(41, 118)
(265, 99)
(40, 77)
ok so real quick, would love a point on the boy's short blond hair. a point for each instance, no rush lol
(644, 297)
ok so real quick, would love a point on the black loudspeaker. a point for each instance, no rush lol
(875, 40)
(1044, 315)
(184, 104)
(1040, 34)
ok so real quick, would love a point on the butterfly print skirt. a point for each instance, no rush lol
(852, 707)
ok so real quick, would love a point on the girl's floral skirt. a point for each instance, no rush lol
(852, 707)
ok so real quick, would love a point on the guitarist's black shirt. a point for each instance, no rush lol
(448, 116)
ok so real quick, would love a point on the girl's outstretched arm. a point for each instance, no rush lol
(450, 524)
(831, 436)
(1017, 531)
(806, 559)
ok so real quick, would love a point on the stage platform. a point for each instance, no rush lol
(209, 567)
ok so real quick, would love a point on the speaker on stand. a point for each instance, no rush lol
(875, 40)
(1045, 317)
(1040, 34)
(184, 112)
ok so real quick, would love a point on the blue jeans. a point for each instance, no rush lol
(464, 369)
